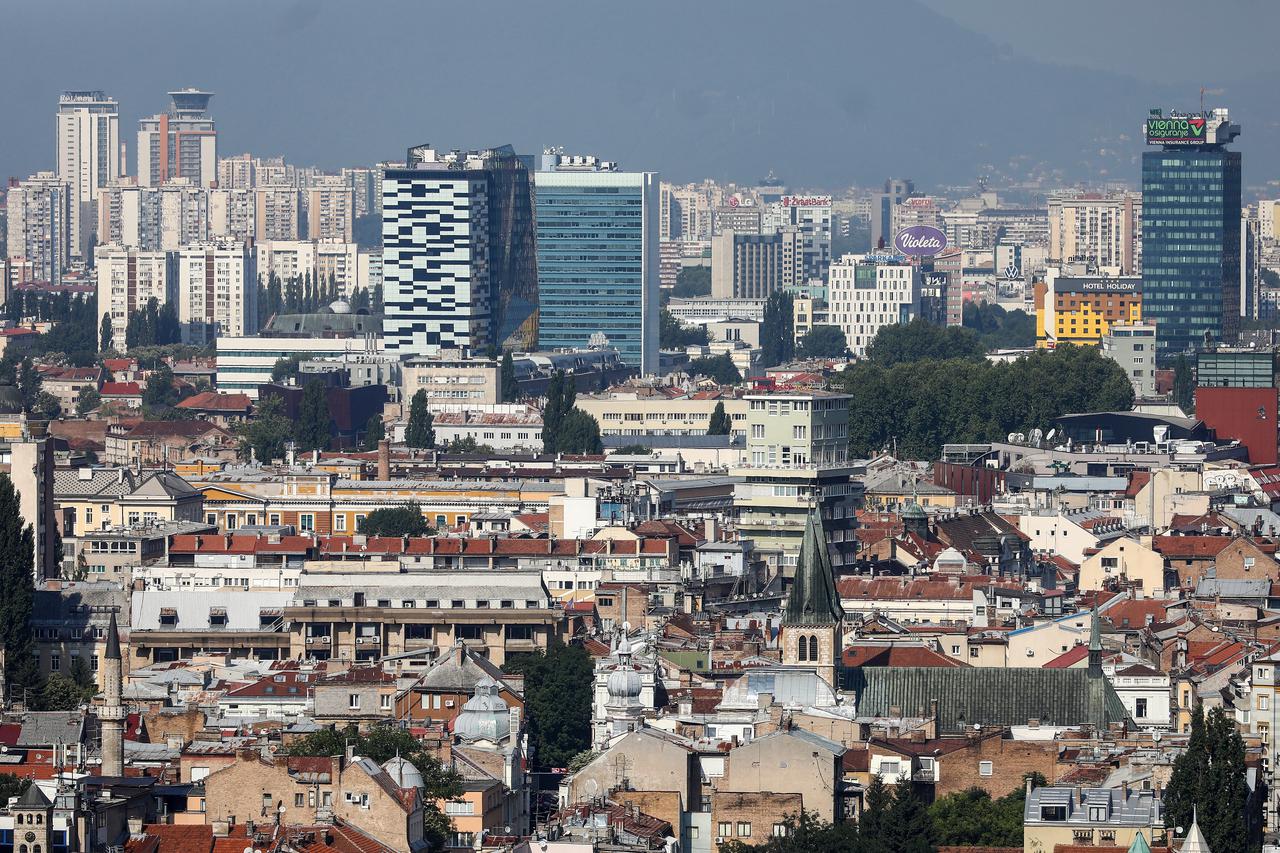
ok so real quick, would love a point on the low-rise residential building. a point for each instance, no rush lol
(1061, 816)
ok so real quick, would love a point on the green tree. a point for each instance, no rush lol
(720, 368)
(159, 391)
(1209, 779)
(672, 334)
(17, 560)
(578, 433)
(877, 800)
(396, 521)
(374, 432)
(906, 825)
(824, 342)
(1184, 384)
(264, 437)
(553, 412)
(420, 432)
(286, 368)
(314, 425)
(106, 334)
(777, 330)
(510, 390)
(47, 407)
(12, 786)
(62, 693)
(719, 420)
(919, 340)
(557, 692)
(87, 400)
(1000, 329)
(30, 384)
(692, 282)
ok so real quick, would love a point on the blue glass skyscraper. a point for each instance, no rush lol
(597, 236)
(1191, 230)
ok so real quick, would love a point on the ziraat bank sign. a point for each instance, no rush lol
(920, 241)
(806, 201)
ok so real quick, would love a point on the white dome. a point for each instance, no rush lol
(485, 715)
(403, 773)
(624, 684)
(340, 306)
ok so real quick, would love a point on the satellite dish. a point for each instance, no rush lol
(1051, 434)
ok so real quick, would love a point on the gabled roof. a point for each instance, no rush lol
(212, 401)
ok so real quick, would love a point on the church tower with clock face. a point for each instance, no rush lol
(32, 821)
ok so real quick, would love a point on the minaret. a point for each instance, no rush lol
(112, 713)
(812, 619)
(1095, 645)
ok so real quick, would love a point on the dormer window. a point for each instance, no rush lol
(168, 616)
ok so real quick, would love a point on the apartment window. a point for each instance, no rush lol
(779, 830)
(273, 519)
(266, 803)
(725, 828)
(299, 800)
(55, 662)
(340, 523)
(757, 431)
(385, 701)
(1140, 706)
(353, 701)
(890, 768)
(307, 521)
(973, 651)
(985, 768)
(1264, 702)
(744, 829)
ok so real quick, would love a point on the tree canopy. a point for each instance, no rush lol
(153, 325)
(314, 425)
(1184, 384)
(420, 432)
(267, 433)
(374, 431)
(579, 433)
(824, 342)
(692, 282)
(1209, 778)
(777, 330)
(720, 368)
(672, 334)
(17, 561)
(920, 405)
(396, 521)
(998, 328)
(919, 340)
(720, 424)
(557, 693)
(510, 390)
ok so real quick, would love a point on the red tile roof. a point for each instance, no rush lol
(1069, 658)
(178, 838)
(121, 389)
(1190, 547)
(215, 402)
(858, 654)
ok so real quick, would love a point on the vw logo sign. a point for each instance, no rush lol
(920, 241)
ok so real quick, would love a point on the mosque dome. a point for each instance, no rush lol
(485, 715)
(340, 306)
(403, 773)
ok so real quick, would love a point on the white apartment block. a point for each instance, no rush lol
(279, 212)
(1100, 230)
(866, 293)
(330, 209)
(320, 259)
(244, 363)
(39, 226)
(236, 173)
(88, 154)
(127, 278)
(233, 213)
(217, 291)
(162, 218)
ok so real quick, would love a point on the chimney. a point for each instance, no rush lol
(917, 736)
(135, 826)
(384, 459)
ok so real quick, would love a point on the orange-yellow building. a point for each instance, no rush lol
(1080, 309)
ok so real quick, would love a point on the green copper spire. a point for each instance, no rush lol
(813, 599)
(1095, 644)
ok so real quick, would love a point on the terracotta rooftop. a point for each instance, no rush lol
(212, 401)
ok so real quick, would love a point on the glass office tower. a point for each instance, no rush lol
(1191, 231)
(597, 232)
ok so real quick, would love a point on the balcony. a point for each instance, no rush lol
(319, 641)
(369, 640)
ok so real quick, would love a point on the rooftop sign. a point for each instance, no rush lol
(920, 241)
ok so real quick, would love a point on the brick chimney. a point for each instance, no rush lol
(384, 459)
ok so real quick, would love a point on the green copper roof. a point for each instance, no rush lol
(813, 599)
(987, 696)
(1139, 845)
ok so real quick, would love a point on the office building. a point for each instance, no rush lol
(1073, 307)
(278, 212)
(1191, 229)
(38, 227)
(127, 277)
(1132, 345)
(597, 233)
(883, 203)
(217, 291)
(868, 292)
(1103, 231)
(746, 266)
(245, 363)
(1236, 398)
(459, 252)
(808, 218)
(181, 143)
(88, 154)
(330, 209)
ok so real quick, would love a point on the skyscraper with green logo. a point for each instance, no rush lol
(1191, 230)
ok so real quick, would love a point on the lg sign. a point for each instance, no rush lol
(920, 241)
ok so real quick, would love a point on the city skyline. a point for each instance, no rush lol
(737, 106)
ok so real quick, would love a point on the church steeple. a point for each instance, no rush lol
(1095, 644)
(813, 599)
(812, 620)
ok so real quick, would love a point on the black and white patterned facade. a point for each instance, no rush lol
(435, 261)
